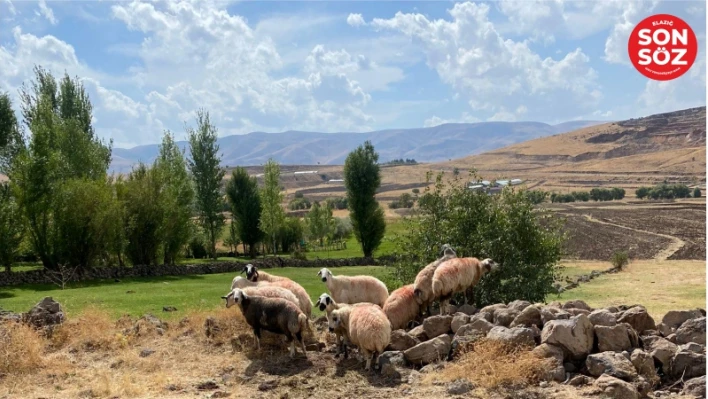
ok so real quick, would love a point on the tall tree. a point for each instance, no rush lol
(144, 215)
(362, 178)
(272, 214)
(242, 192)
(178, 196)
(11, 227)
(207, 175)
(320, 222)
(11, 140)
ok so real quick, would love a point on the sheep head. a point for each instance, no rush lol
(324, 274)
(488, 265)
(251, 272)
(334, 321)
(234, 297)
(324, 301)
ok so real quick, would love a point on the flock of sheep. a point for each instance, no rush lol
(359, 309)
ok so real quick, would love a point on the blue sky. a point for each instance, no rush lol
(344, 66)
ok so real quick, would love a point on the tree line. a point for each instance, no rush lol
(667, 191)
(596, 194)
(62, 206)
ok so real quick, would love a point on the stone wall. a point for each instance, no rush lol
(40, 277)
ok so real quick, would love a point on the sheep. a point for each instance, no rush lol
(423, 285)
(276, 315)
(354, 289)
(366, 326)
(457, 275)
(264, 289)
(252, 274)
(328, 305)
(401, 307)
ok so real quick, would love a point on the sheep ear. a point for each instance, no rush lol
(224, 297)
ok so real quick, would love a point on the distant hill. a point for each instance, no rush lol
(432, 144)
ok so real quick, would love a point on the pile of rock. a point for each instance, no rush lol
(620, 351)
(46, 314)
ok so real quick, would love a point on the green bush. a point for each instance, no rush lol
(503, 227)
(696, 192)
(299, 203)
(536, 196)
(619, 260)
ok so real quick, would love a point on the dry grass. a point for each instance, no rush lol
(20, 349)
(493, 364)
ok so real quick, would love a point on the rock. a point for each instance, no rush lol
(459, 343)
(169, 309)
(693, 347)
(467, 309)
(47, 313)
(570, 367)
(149, 322)
(430, 351)
(220, 394)
(531, 315)
(207, 386)
(612, 338)
(686, 364)
(459, 387)
(638, 318)
(660, 349)
(431, 368)
(479, 325)
(664, 329)
(486, 316)
(459, 320)
(644, 364)
(615, 388)
(555, 370)
(575, 336)
(671, 338)
(577, 304)
(544, 384)
(401, 340)
(675, 318)
(693, 330)
(436, 325)
(492, 308)
(418, 333)
(268, 385)
(575, 312)
(413, 377)
(602, 317)
(390, 362)
(579, 380)
(504, 317)
(146, 352)
(518, 305)
(9, 316)
(696, 387)
(610, 363)
(642, 386)
(517, 336)
(545, 351)
(550, 313)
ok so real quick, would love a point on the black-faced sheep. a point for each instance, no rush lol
(354, 289)
(252, 274)
(457, 275)
(401, 307)
(264, 289)
(366, 326)
(271, 314)
(423, 285)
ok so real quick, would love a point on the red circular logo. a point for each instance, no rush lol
(662, 47)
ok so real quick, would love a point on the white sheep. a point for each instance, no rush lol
(423, 285)
(354, 289)
(366, 326)
(457, 275)
(401, 307)
(328, 305)
(252, 274)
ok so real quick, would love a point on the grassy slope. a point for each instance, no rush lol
(186, 293)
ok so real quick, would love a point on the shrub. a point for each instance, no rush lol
(642, 192)
(197, 247)
(20, 349)
(536, 196)
(583, 196)
(503, 227)
(620, 260)
(299, 203)
(337, 202)
(696, 192)
(416, 191)
(404, 201)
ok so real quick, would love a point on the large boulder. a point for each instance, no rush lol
(418, 333)
(687, 364)
(575, 336)
(695, 387)
(401, 340)
(46, 313)
(480, 325)
(644, 364)
(436, 325)
(554, 356)
(390, 362)
(577, 304)
(693, 330)
(516, 336)
(610, 363)
(612, 338)
(504, 317)
(550, 313)
(602, 317)
(458, 320)
(693, 347)
(638, 318)
(661, 349)
(531, 315)
(615, 388)
(429, 351)
(518, 305)
(467, 309)
(675, 318)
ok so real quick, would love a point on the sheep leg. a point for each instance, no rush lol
(292, 348)
(368, 358)
(257, 334)
(302, 343)
(339, 344)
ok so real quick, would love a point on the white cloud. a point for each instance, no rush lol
(355, 20)
(464, 118)
(47, 12)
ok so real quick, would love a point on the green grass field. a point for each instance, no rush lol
(136, 296)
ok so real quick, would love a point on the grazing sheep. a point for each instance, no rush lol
(271, 314)
(354, 289)
(401, 307)
(457, 275)
(264, 289)
(366, 326)
(328, 305)
(252, 274)
(423, 285)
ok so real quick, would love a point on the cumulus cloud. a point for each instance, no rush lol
(355, 20)
(47, 12)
